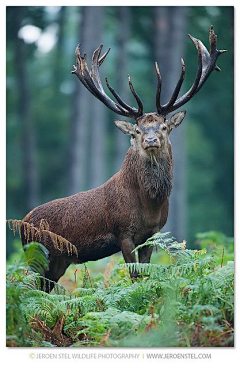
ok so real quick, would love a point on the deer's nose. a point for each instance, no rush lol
(151, 141)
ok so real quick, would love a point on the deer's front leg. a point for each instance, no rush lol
(144, 254)
(128, 246)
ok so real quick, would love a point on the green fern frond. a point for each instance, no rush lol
(37, 257)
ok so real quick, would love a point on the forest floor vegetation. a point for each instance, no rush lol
(184, 298)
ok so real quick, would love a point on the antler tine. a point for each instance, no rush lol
(191, 92)
(213, 43)
(102, 58)
(177, 88)
(91, 80)
(206, 64)
(212, 40)
(139, 102)
(159, 88)
(94, 73)
(119, 100)
(213, 46)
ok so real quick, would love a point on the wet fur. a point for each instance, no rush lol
(119, 215)
(132, 205)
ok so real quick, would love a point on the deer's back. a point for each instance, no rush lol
(90, 220)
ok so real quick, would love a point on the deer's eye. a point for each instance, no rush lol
(164, 128)
(138, 131)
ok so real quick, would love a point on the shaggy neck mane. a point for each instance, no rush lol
(153, 175)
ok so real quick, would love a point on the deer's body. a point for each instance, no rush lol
(133, 204)
(128, 208)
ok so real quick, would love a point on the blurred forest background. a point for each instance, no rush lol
(60, 139)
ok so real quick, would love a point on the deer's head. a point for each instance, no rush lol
(150, 133)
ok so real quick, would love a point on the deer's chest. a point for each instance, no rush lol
(148, 223)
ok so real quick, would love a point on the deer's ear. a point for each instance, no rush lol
(125, 126)
(176, 119)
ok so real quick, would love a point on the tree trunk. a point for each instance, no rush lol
(98, 130)
(97, 144)
(121, 140)
(59, 49)
(29, 163)
(87, 113)
(170, 38)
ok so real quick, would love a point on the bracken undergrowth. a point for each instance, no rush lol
(185, 299)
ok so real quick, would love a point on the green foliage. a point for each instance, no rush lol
(212, 238)
(219, 243)
(187, 300)
(36, 257)
(22, 277)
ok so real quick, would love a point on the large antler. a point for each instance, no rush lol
(91, 80)
(206, 64)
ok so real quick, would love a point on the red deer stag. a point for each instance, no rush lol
(133, 204)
